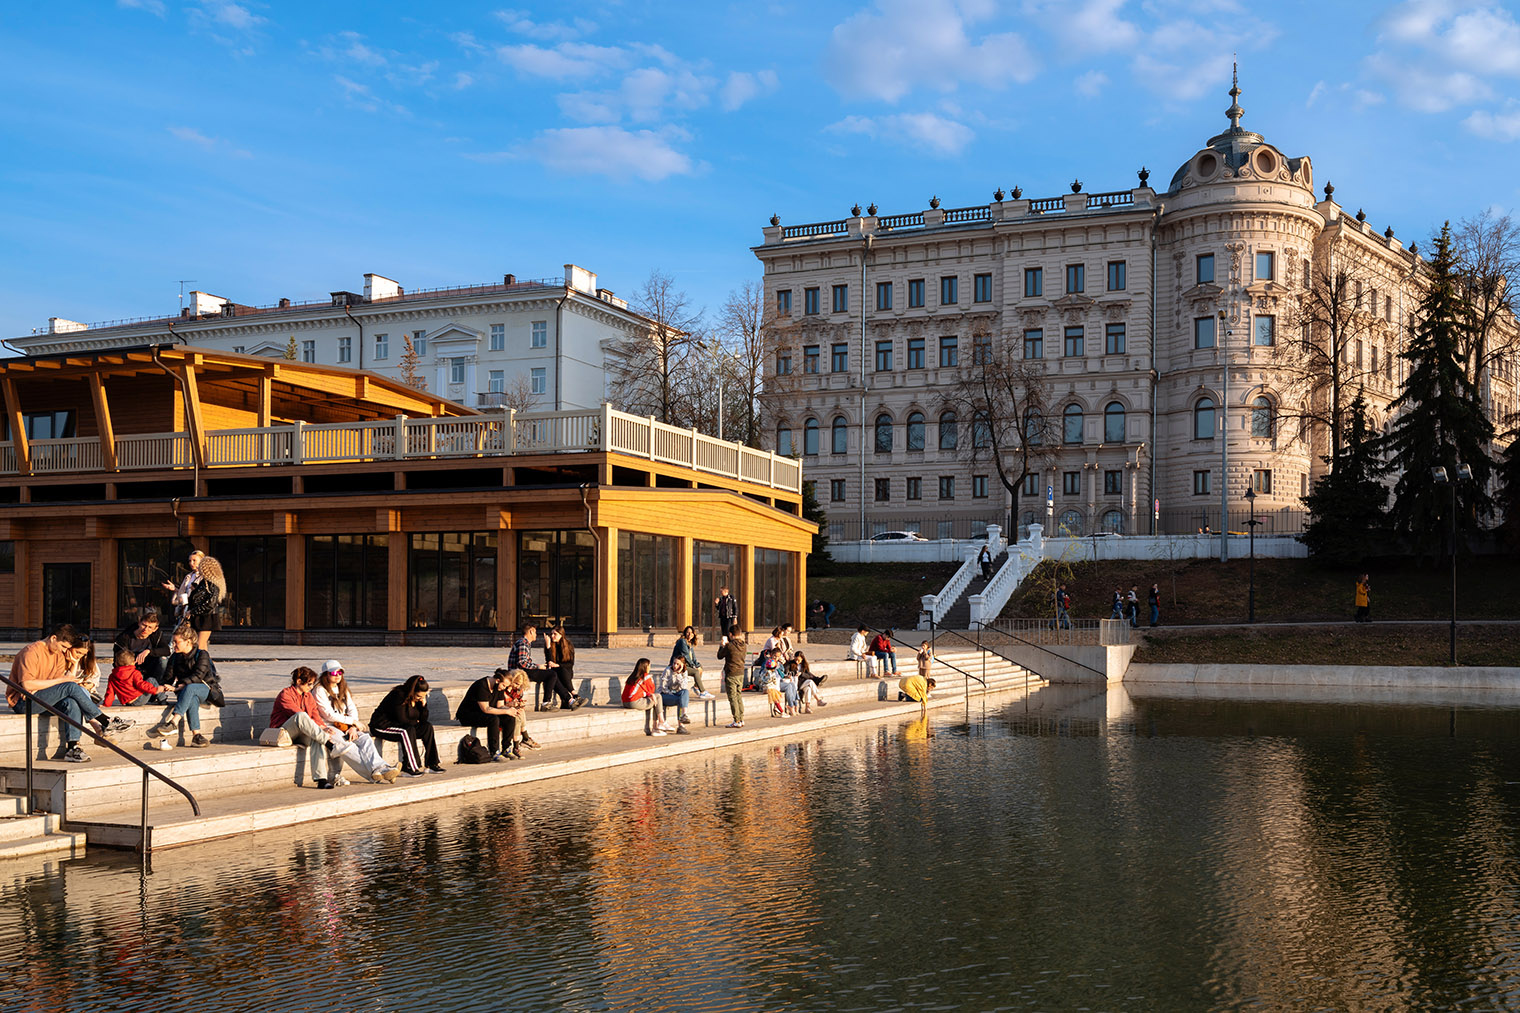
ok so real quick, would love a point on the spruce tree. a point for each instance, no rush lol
(1439, 419)
(812, 511)
(1509, 489)
(1347, 518)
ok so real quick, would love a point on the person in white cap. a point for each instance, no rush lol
(336, 705)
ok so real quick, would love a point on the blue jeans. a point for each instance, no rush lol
(789, 690)
(187, 703)
(828, 614)
(885, 659)
(71, 700)
(1155, 615)
(680, 700)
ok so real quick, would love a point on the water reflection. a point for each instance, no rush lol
(1081, 850)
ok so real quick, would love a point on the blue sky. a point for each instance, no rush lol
(284, 149)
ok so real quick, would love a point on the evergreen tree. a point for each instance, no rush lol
(1347, 506)
(1509, 488)
(811, 511)
(1439, 418)
(290, 348)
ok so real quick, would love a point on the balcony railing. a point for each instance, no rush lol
(416, 439)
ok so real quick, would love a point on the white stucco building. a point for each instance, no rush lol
(543, 342)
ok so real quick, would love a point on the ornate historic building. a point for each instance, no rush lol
(1163, 323)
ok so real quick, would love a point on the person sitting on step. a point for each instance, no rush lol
(675, 691)
(41, 668)
(485, 705)
(127, 686)
(641, 694)
(337, 707)
(295, 711)
(195, 683)
(403, 718)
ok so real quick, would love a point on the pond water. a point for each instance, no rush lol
(1062, 854)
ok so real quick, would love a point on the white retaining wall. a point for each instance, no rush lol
(938, 550)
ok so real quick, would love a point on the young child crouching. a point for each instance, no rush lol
(129, 687)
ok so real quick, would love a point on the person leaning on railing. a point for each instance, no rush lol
(41, 669)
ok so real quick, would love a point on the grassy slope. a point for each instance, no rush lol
(877, 594)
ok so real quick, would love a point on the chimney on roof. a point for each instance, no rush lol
(58, 325)
(580, 279)
(205, 304)
(606, 295)
(378, 286)
(510, 279)
(284, 304)
(229, 309)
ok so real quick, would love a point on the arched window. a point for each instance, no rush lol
(1263, 418)
(883, 433)
(1070, 523)
(841, 436)
(810, 438)
(981, 431)
(948, 437)
(1071, 424)
(1113, 520)
(784, 440)
(1113, 423)
(1034, 429)
(916, 431)
(1203, 419)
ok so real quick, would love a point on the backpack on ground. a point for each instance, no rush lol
(471, 751)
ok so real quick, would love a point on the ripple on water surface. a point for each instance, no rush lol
(1192, 858)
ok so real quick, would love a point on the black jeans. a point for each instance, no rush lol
(559, 681)
(494, 724)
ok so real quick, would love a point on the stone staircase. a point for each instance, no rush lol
(958, 617)
(243, 786)
(24, 835)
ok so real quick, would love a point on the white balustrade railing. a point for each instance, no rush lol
(402, 438)
(986, 606)
(936, 605)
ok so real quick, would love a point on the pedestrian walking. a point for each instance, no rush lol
(1062, 599)
(1132, 605)
(984, 560)
(1364, 599)
(1154, 600)
(732, 655)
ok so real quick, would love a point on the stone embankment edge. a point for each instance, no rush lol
(403, 794)
(1328, 676)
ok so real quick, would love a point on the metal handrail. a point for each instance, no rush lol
(962, 671)
(935, 629)
(147, 769)
(1028, 643)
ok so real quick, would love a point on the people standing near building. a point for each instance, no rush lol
(485, 704)
(336, 706)
(1364, 599)
(686, 649)
(726, 607)
(886, 654)
(826, 609)
(41, 669)
(295, 711)
(1062, 600)
(402, 717)
(559, 658)
(179, 594)
(984, 560)
(732, 651)
(206, 600)
(860, 650)
(1154, 599)
(1132, 605)
(195, 683)
(148, 644)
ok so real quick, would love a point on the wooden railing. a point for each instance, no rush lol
(406, 439)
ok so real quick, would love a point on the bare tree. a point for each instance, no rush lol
(518, 395)
(743, 327)
(649, 371)
(1486, 248)
(1327, 330)
(1006, 398)
(409, 360)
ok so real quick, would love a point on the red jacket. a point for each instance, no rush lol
(289, 703)
(882, 645)
(127, 684)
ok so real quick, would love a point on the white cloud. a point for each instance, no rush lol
(1426, 88)
(1314, 94)
(1183, 79)
(354, 48)
(1091, 83)
(154, 7)
(361, 96)
(567, 61)
(611, 151)
(232, 15)
(522, 24)
(467, 41)
(741, 87)
(645, 95)
(1094, 26)
(214, 145)
(462, 80)
(936, 134)
(1500, 126)
(1437, 55)
(900, 45)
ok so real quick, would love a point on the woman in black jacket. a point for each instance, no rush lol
(195, 682)
(403, 717)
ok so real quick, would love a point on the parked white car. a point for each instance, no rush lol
(898, 536)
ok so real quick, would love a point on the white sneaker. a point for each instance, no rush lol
(658, 731)
(340, 781)
(706, 696)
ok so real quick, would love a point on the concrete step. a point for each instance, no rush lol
(43, 834)
(286, 805)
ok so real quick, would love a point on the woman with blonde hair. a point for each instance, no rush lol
(205, 600)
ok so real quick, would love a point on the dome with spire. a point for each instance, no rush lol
(1237, 154)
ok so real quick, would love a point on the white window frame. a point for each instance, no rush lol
(498, 337)
(539, 378)
(540, 334)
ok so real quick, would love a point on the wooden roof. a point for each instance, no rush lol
(361, 393)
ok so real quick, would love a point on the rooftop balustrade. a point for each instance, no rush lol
(498, 435)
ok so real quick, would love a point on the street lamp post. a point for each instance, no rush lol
(1251, 525)
(1439, 476)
